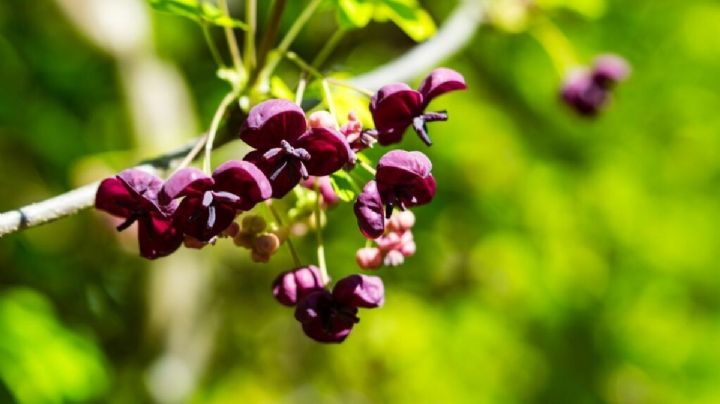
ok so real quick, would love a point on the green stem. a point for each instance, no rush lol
(318, 232)
(273, 27)
(211, 45)
(329, 46)
(274, 59)
(214, 127)
(251, 16)
(191, 154)
(231, 40)
(367, 167)
(300, 89)
(556, 45)
(303, 65)
(351, 86)
(329, 102)
(291, 246)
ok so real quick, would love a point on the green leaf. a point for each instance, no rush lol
(279, 89)
(344, 186)
(355, 13)
(409, 16)
(197, 10)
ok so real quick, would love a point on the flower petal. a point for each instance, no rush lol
(287, 177)
(187, 181)
(441, 81)
(329, 151)
(145, 185)
(394, 106)
(272, 121)
(369, 212)
(291, 286)
(399, 165)
(323, 320)
(115, 198)
(245, 180)
(201, 222)
(360, 291)
(157, 237)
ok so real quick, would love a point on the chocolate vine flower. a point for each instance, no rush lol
(291, 286)
(286, 150)
(133, 196)
(329, 317)
(210, 204)
(403, 179)
(396, 106)
(588, 90)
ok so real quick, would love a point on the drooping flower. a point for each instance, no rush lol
(403, 180)
(133, 196)
(291, 286)
(329, 317)
(210, 204)
(286, 150)
(395, 107)
(587, 91)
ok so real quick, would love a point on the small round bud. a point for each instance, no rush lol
(266, 243)
(253, 224)
(408, 249)
(390, 241)
(244, 240)
(406, 219)
(321, 119)
(369, 258)
(259, 257)
(394, 258)
(192, 242)
(231, 231)
(610, 69)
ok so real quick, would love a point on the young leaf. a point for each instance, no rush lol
(344, 186)
(197, 10)
(409, 16)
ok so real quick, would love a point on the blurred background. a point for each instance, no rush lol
(563, 259)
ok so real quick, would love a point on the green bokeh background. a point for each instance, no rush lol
(562, 261)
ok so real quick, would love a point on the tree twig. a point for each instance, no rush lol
(451, 37)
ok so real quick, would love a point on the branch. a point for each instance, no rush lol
(457, 31)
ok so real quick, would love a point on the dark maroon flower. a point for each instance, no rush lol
(210, 204)
(609, 70)
(133, 196)
(588, 91)
(324, 319)
(291, 286)
(404, 180)
(369, 211)
(329, 317)
(329, 197)
(396, 106)
(360, 291)
(286, 150)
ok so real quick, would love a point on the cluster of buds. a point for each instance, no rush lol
(393, 247)
(587, 91)
(253, 236)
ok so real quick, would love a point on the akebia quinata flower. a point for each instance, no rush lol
(587, 91)
(133, 196)
(286, 150)
(329, 317)
(291, 286)
(210, 203)
(395, 107)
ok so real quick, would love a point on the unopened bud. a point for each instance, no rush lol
(253, 224)
(394, 258)
(408, 249)
(259, 257)
(321, 119)
(266, 243)
(192, 242)
(244, 240)
(368, 258)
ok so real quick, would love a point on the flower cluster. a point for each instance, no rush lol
(291, 149)
(327, 316)
(587, 91)
(392, 247)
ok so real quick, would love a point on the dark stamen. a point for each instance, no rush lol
(134, 216)
(421, 129)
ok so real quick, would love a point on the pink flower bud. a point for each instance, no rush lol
(368, 258)
(390, 241)
(408, 249)
(321, 119)
(394, 258)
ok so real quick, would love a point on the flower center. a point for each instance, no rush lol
(289, 153)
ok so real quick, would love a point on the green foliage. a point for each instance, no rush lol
(408, 15)
(344, 186)
(197, 10)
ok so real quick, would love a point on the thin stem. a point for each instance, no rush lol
(302, 83)
(251, 16)
(329, 102)
(269, 37)
(303, 65)
(289, 242)
(556, 45)
(367, 167)
(318, 233)
(211, 45)
(231, 39)
(290, 36)
(329, 46)
(351, 86)
(192, 154)
(214, 127)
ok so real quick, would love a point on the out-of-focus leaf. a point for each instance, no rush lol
(344, 186)
(355, 13)
(279, 89)
(588, 8)
(197, 10)
(408, 15)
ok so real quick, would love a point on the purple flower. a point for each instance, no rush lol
(210, 204)
(133, 196)
(587, 91)
(286, 150)
(329, 317)
(396, 106)
(291, 286)
(402, 179)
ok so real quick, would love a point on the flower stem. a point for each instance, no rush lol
(329, 101)
(291, 246)
(318, 232)
(231, 40)
(556, 45)
(191, 154)
(367, 167)
(251, 17)
(340, 83)
(329, 46)
(211, 45)
(300, 89)
(272, 29)
(303, 65)
(214, 127)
